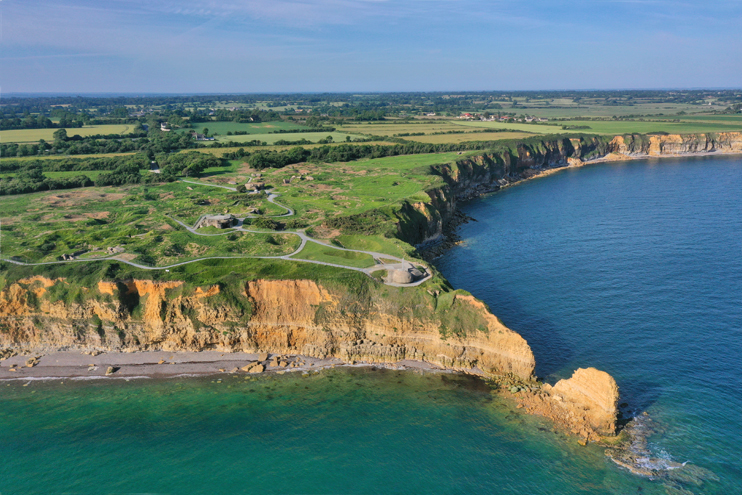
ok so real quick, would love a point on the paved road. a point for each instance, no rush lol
(400, 264)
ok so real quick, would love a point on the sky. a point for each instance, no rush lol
(248, 46)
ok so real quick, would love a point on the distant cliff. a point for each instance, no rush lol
(489, 171)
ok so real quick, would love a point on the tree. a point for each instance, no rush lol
(60, 135)
(206, 131)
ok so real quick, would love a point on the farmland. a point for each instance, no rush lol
(34, 135)
(614, 127)
(222, 128)
(271, 139)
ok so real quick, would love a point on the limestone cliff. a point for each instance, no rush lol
(285, 316)
(487, 172)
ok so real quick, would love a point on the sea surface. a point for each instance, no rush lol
(633, 268)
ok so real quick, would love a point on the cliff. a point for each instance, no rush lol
(451, 329)
(487, 172)
(371, 323)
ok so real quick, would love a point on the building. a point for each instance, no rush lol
(219, 221)
(201, 137)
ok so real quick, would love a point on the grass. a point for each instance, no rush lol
(222, 128)
(392, 127)
(531, 128)
(375, 244)
(408, 162)
(34, 135)
(58, 175)
(43, 226)
(327, 254)
(271, 139)
(59, 157)
(222, 151)
(473, 136)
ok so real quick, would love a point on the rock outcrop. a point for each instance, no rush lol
(586, 404)
(590, 394)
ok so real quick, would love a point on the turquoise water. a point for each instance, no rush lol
(632, 268)
(636, 269)
(339, 431)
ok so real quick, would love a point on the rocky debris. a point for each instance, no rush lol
(7, 353)
(32, 361)
(632, 452)
(263, 356)
(253, 368)
(115, 250)
(111, 370)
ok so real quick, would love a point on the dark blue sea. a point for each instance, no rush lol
(634, 268)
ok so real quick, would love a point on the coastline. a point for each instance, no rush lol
(81, 365)
(432, 249)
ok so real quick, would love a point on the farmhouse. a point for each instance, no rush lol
(201, 137)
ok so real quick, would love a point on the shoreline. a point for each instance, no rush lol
(82, 365)
(450, 238)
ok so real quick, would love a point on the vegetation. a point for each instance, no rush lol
(93, 177)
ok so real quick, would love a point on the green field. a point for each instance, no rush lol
(59, 175)
(34, 135)
(222, 128)
(407, 162)
(469, 136)
(531, 128)
(615, 127)
(289, 136)
(318, 252)
(45, 225)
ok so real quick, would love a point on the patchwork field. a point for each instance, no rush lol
(34, 135)
(222, 128)
(271, 139)
(615, 127)
(469, 136)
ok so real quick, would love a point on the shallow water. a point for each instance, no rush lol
(340, 431)
(634, 268)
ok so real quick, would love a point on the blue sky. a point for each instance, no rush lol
(366, 45)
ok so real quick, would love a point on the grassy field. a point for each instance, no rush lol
(34, 135)
(289, 136)
(473, 136)
(58, 175)
(43, 226)
(317, 252)
(222, 128)
(59, 157)
(393, 127)
(222, 151)
(407, 162)
(615, 127)
(530, 128)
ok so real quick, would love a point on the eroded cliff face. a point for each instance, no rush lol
(476, 175)
(287, 316)
(674, 144)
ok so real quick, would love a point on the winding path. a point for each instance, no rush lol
(401, 264)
